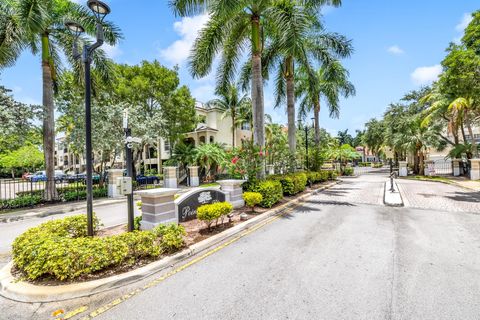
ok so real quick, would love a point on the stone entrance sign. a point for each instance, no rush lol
(188, 203)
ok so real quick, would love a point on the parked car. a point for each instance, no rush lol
(42, 176)
(82, 177)
(142, 179)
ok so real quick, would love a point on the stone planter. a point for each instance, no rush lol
(158, 207)
(113, 174)
(234, 188)
(475, 169)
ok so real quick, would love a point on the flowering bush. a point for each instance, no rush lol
(245, 162)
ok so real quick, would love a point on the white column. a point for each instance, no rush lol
(475, 169)
(170, 177)
(403, 169)
(158, 207)
(194, 179)
(234, 188)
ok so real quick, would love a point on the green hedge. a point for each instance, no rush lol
(61, 249)
(32, 198)
(271, 191)
(292, 183)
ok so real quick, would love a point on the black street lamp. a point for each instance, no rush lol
(306, 128)
(100, 10)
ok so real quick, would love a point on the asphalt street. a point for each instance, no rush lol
(340, 255)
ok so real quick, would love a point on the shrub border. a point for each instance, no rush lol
(22, 291)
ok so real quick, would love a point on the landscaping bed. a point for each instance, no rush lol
(59, 252)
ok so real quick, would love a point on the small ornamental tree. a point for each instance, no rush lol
(252, 199)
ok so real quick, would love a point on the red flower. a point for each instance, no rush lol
(234, 160)
(260, 154)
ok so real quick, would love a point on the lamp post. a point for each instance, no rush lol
(100, 10)
(306, 128)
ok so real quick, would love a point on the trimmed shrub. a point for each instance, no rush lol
(331, 174)
(292, 183)
(271, 191)
(21, 202)
(61, 249)
(171, 235)
(214, 211)
(252, 199)
(348, 172)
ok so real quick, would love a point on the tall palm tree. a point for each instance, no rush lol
(332, 83)
(233, 28)
(37, 26)
(232, 105)
(300, 41)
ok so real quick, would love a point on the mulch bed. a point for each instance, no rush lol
(196, 232)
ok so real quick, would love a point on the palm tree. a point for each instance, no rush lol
(299, 42)
(464, 109)
(233, 28)
(232, 105)
(332, 83)
(38, 26)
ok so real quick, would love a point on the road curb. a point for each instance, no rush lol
(20, 291)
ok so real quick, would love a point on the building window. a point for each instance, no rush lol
(166, 146)
(212, 140)
(245, 126)
(202, 119)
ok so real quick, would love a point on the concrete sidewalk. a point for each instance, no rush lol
(52, 209)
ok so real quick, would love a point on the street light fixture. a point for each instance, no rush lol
(100, 10)
(306, 128)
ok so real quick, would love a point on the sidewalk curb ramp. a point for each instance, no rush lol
(13, 289)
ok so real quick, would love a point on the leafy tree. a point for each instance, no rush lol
(471, 38)
(374, 135)
(16, 122)
(157, 105)
(28, 157)
(210, 156)
(38, 26)
(232, 105)
(344, 137)
(459, 82)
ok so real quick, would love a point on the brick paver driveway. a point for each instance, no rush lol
(438, 196)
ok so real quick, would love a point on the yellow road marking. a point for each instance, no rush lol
(74, 312)
(127, 296)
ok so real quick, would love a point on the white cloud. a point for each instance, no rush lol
(204, 93)
(112, 51)
(396, 50)
(187, 29)
(467, 18)
(426, 75)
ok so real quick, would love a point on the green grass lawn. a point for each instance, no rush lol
(209, 185)
(435, 178)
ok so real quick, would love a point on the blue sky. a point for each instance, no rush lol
(398, 48)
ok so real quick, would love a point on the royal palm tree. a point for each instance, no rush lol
(38, 26)
(232, 105)
(234, 28)
(464, 109)
(331, 83)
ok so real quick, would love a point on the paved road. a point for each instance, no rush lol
(340, 255)
(438, 196)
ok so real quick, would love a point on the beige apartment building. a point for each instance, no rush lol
(213, 127)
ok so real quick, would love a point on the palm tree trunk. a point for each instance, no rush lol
(257, 88)
(48, 121)
(474, 144)
(316, 115)
(233, 130)
(292, 142)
